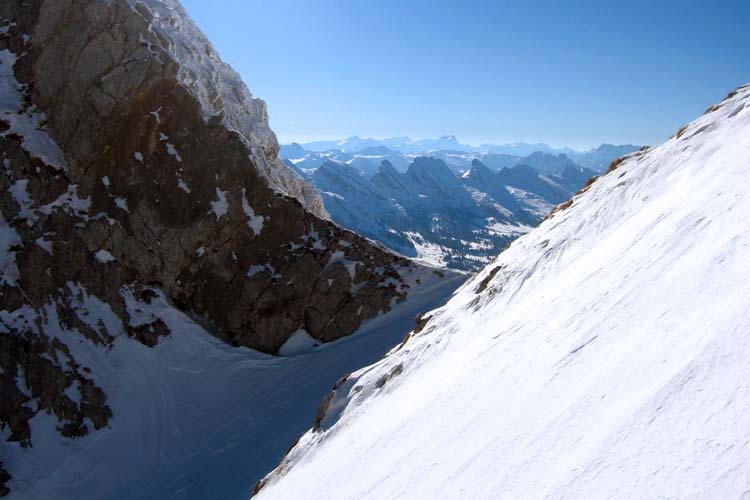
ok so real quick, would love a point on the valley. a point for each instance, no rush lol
(190, 310)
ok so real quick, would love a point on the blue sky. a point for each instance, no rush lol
(569, 73)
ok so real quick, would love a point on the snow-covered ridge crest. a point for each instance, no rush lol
(603, 355)
(222, 94)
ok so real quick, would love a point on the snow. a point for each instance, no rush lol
(44, 245)
(259, 268)
(138, 156)
(338, 257)
(121, 203)
(141, 313)
(182, 185)
(105, 181)
(220, 207)
(427, 253)
(333, 195)
(23, 387)
(499, 228)
(72, 392)
(173, 152)
(314, 236)
(607, 358)
(193, 417)
(69, 202)
(5, 28)
(155, 114)
(26, 122)
(104, 256)
(23, 200)
(254, 222)
(9, 274)
(300, 342)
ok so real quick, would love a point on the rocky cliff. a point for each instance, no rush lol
(137, 165)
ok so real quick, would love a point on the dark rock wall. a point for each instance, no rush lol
(151, 196)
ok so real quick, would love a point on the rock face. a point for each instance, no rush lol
(136, 163)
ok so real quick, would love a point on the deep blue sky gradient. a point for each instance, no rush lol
(569, 73)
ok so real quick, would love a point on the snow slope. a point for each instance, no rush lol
(194, 418)
(606, 354)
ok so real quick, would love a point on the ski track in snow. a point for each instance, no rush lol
(609, 357)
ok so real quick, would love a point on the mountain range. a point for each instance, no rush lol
(431, 214)
(367, 158)
(446, 208)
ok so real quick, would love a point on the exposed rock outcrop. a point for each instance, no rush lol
(172, 197)
(136, 163)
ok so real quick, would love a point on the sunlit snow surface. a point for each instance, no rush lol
(609, 357)
(195, 418)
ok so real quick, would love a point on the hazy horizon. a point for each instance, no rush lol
(566, 75)
(287, 140)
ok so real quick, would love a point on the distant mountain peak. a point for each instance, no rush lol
(386, 165)
(479, 169)
(338, 166)
(432, 167)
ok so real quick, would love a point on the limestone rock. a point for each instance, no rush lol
(135, 163)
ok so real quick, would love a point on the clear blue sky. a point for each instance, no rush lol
(574, 73)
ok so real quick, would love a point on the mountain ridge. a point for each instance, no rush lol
(447, 220)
